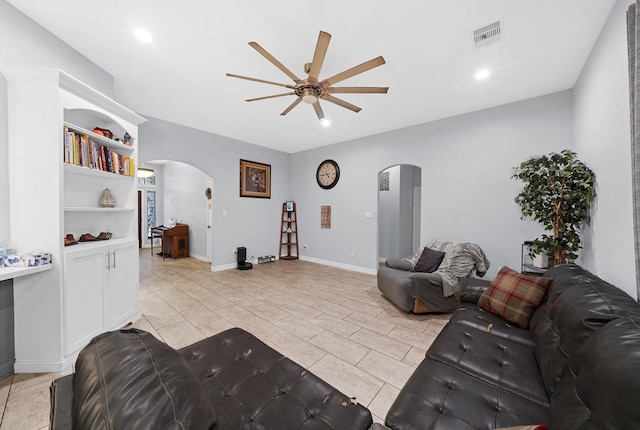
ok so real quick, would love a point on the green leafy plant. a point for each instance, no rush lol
(558, 192)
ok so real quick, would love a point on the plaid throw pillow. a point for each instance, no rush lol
(514, 296)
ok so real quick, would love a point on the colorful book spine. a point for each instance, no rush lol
(67, 146)
(80, 150)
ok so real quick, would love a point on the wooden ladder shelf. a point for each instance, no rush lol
(289, 232)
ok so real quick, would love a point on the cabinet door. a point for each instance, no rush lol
(84, 283)
(122, 300)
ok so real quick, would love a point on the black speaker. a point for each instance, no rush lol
(242, 257)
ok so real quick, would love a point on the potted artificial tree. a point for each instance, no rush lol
(558, 192)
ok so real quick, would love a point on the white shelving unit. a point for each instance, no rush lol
(93, 286)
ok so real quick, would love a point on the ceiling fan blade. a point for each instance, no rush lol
(270, 97)
(368, 65)
(340, 102)
(291, 106)
(318, 110)
(275, 62)
(354, 90)
(318, 56)
(231, 75)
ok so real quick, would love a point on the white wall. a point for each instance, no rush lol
(25, 43)
(602, 138)
(237, 221)
(183, 198)
(467, 193)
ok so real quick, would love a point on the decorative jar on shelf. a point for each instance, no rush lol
(106, 199)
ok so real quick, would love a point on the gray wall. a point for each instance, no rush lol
(249, 222)
(25, 43)
(467, 193)
(7, 348)
(602, 136)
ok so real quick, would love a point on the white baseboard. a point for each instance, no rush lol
(222, 267)
(199, 257)
(64, 366)
(339, 265)
(311, 260)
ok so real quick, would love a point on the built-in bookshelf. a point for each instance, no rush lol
(58, 168)
(89, 150)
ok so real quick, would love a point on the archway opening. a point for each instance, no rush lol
(399, 191)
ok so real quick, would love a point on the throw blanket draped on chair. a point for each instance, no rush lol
(461, 259)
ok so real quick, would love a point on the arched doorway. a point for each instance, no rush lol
(399, 190)
(179, 191)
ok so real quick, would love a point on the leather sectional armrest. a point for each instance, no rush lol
(470, 289)
(397, 263)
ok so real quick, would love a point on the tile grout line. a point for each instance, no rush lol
(6, 402)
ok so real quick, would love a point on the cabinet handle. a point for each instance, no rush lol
(114, 259)
(108, 261)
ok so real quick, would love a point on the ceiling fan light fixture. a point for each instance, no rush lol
(326, 122)
(309, 96)
(144, 172)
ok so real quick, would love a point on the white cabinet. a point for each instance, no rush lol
(85, 285)
(58, 311)
(122, 301)
(100, 290)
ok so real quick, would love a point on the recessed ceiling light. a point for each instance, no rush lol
(483, 73)
(326, 122)
(143, 35)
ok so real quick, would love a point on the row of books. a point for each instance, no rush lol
(80, 150)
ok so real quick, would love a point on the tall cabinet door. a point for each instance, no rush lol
(84, 289)
(122, 299)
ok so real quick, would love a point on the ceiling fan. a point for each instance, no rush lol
(311, 90)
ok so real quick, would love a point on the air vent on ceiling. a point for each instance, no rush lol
(487, 34)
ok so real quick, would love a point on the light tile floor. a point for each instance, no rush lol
(334, 322)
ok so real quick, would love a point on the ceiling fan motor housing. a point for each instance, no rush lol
(309, 93)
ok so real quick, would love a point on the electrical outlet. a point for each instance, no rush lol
(353, 253)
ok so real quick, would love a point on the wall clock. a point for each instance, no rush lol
(328, 174)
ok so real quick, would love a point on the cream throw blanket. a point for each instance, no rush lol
(461, 260)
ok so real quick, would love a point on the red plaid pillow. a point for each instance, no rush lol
(514, 296)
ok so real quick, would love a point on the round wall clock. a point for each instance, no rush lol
(328, 174)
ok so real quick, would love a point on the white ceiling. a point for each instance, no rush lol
(427, 45)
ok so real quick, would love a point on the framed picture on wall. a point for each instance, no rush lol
(255, 179)
(325, 216)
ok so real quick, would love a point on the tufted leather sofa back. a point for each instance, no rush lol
(600, 386)
(579, 304)
(129, 379)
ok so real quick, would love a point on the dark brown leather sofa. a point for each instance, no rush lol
(128, 379)
(577, 367)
